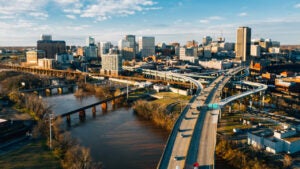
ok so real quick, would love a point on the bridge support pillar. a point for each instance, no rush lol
(104, 107)
(68, 118)
(220, 114)
(82, 115)
(94, 111)
(59, 90)
(229, 108)
(262, 96)
(113, 102)
(48, 92)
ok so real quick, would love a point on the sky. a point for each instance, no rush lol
(23, 21)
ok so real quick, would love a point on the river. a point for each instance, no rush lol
(117, 138)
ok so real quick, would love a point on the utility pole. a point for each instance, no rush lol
(50, 131)
(85, 73)
(127, 90)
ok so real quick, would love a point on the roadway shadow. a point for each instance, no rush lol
(183, 130)
(186, 135)
(189, 118)
(206, 167)
(195, 113)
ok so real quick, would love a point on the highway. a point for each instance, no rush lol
(193, 137)
(202, 147)
(204, 137)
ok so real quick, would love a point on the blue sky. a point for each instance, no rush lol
(23, 21)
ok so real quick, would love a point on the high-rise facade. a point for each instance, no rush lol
(90, 41)
(111, 64)
(123, 43)
(104, 47)
(146, 46)
(131, 40)
(46, 37)
(51, 47)
(206, 40)
(130, 52)
(243, 43)
(90, 50)
(33, 56)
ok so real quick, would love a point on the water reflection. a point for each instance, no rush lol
(118, 138)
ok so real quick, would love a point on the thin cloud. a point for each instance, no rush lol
(297, 5)
(103, 10)
(242, 14)
(204, 21)
(71, 16)
(23, 8)
(210, 19)
(39, 15)
(215, 18)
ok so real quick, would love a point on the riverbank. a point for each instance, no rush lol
(34, 155)
(159, 111)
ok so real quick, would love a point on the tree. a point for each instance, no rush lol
(79, 158)
(287, 161)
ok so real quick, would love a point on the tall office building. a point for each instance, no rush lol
(33, 56)
(123, 43)
(206, 40)
(90, 50)
(131, 40)
(104, 48)
(130, 52)
(90, 41)
(111, 64)
(46, 37)
(146, 46)
(127, 49)
(243, 43)
(188, 54)
(51, 47)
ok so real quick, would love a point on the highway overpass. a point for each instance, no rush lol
(193, 137)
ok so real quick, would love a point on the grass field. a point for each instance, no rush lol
(172, 97)
(32, 156)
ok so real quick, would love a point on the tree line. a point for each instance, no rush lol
(64, 147)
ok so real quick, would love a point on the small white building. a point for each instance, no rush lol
(46, 63)
(159, 88)
(255, 50)
(287, 141)
(216, 64)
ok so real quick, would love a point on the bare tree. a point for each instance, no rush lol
(287, 161)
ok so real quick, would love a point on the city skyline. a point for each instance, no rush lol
(22, 22)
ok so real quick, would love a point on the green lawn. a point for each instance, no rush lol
(32, 156)
(169, 97)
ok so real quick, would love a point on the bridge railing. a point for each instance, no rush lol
(261, 87)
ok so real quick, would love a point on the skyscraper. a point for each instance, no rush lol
(146, 46)
(104, 47)
(51, 47)
(46, 37)
(90, 41)
(206, 40)
(131, 51)
(90, 50)
(243, 43)
(111, 64)
(131, 40)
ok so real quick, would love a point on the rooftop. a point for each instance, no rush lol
(293, 138)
